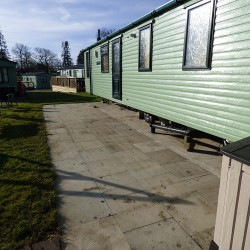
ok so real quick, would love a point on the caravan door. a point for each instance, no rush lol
(117, 69)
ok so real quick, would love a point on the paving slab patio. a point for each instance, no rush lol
(121, 187)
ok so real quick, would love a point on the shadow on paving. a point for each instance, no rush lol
(150, 196)
(196, 140)
(207, 145)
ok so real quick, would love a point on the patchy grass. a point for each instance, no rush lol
(27, 180)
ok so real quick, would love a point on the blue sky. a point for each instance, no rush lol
(46, 23)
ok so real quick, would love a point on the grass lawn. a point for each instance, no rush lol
(27, 179)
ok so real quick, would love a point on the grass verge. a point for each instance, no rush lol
(27, 180)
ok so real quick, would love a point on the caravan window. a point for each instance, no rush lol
(145, 48)
(198, 47)
(105, 58)
(5, 75)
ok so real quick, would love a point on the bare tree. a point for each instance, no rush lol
(105, 32)
(23, 57)
(46, 58)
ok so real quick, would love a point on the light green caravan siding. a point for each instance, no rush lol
(102, 81)
(215, 101)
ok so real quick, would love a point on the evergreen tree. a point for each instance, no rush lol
(4, 53)
(80, 57)
(66, 57)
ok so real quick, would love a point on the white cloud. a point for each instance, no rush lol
(46, 23)
(65, 15)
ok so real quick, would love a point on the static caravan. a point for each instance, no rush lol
(187, 62)
(8, 74)
(76, 71)
(36, 80)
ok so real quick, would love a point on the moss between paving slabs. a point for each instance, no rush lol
(27, 180)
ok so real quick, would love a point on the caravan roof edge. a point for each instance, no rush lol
(144, 18)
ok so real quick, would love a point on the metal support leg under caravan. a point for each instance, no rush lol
(170, 128)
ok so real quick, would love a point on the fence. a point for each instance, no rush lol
(68, 84)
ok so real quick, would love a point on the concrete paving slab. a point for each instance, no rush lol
(204, 238)
(65, 154)
(80, 129)
(128, 156)
(161, 180)
(114, 138)
(138, 216)
(118, 127)
(206, 160)
(147, 163)
(61, 130)
(207, 186)
(151, 146)
(165, 156)
(118, 177)
(59, 138)
(170, 191)
(113, 147)
(121, 190)
(88, 145)
(74, 165)
(53, 125)
(99, 130)
(108, 182)
(137, 138)
(76, 126)
(52, 115)
(69, 182)
(103, 234)
(125, 146)
(81, 208)
(185, 170)
(153, 169)
(80, 137)
(59, 146)
(194, 216)
(106, 167)
(129, 202)
(159, 236)
(96, 154)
